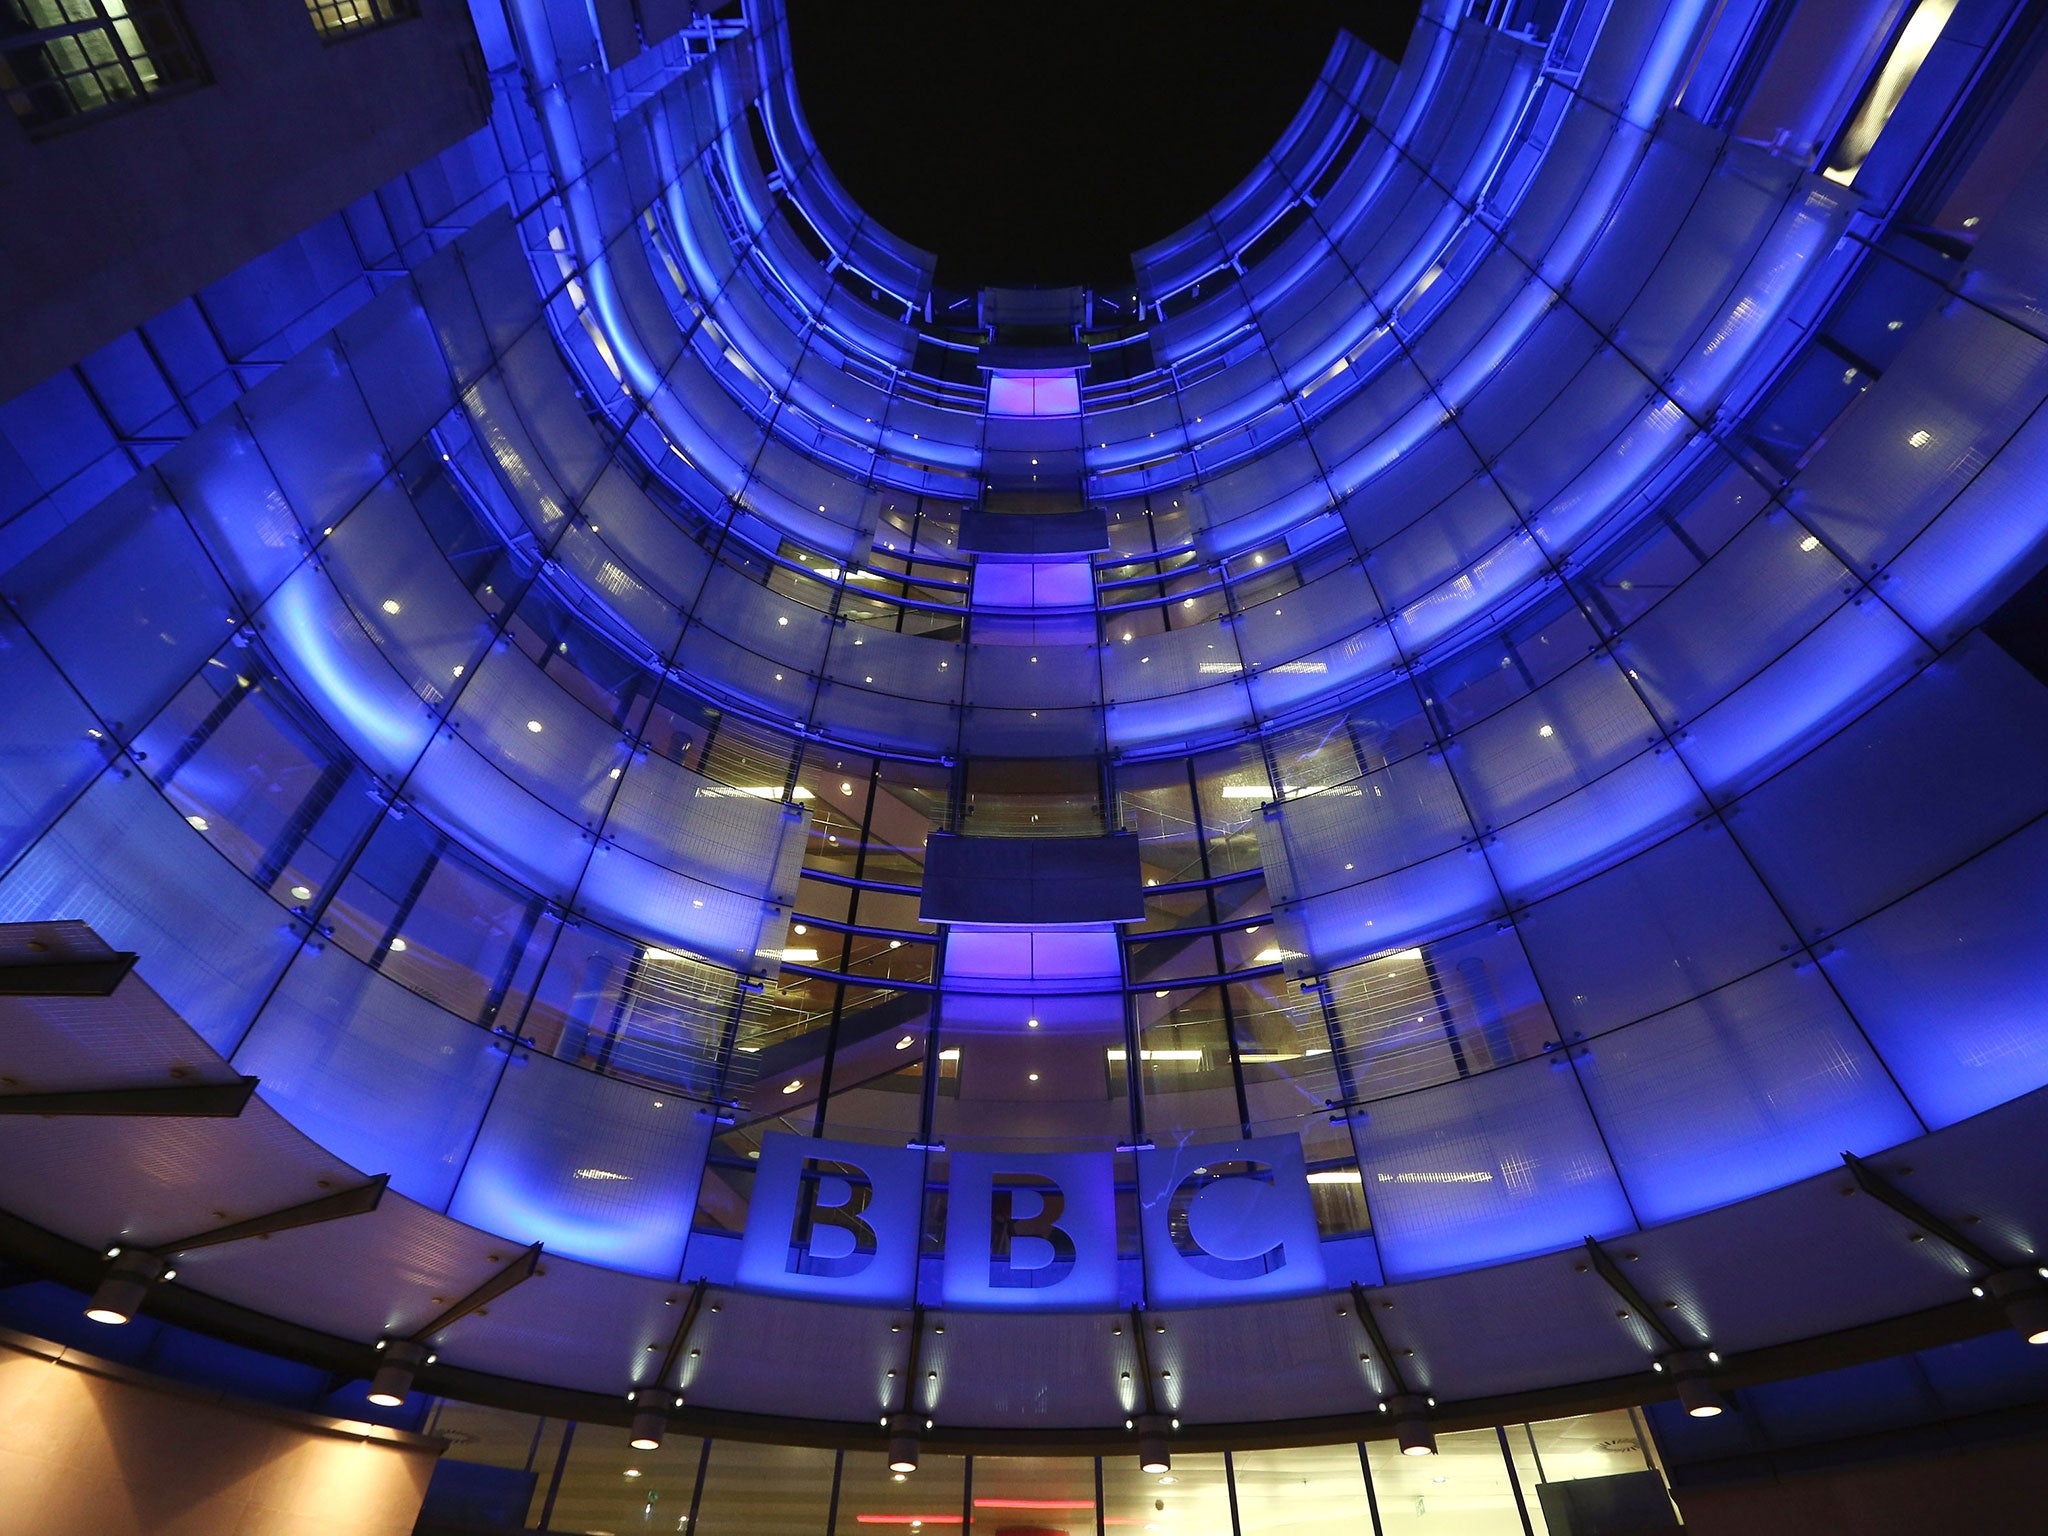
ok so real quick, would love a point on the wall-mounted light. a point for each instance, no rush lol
(2024, 1296)
(1153, 1453)
(402, 1360)
(1690, 1371)
(1410, 1411)
(651, 1407)
(120, 1295)
(902, 1442)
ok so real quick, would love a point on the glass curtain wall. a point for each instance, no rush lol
(584, 1477)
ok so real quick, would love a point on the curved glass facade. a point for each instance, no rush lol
(1549, 514)
(585, 1480)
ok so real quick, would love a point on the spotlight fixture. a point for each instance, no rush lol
(1410, 1411)
(1690, 1371)
(2024, 1296)
(650, 1416)
(393, 1381)
(1153, 1454)
(120, 1295)
(902, 1443)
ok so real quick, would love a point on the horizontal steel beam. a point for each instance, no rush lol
(182, 1101)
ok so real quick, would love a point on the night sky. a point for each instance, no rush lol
(1043, 143)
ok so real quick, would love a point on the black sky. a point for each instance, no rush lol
(1043, 143)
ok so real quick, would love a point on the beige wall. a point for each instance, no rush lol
(90, 1454)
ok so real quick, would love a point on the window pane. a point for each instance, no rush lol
(1463, 1490)
(1314, 1488)
(1193, 1497)
(757, 1490)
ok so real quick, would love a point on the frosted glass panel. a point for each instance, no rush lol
(126, 601)
(1759, 1084)
(1488, 1168)
(373, 1073)
(325, 651)
(397, 361)
(1578, 726)
(1855, 653)
(1671, 923)
(404, 595)
(521, 834)
(594, 1167)
(1939, 770)
(679, 818)
(316, 434)
(1948, 983)
(537, 734)
(1421, 902)
(1639, 800)
(49, 755)
(124, 862)
(225, 489)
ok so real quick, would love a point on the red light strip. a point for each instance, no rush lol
(991, 1504)
(1034, 1503)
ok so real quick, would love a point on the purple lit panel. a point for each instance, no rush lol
(1034, 394)
(1019, 959)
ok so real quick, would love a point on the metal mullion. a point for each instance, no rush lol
(1507, 1457)
(326, 788)
(1372, 1500)
(223, 706)
(860, 860)
(1244, 1109)
(501, 986)
(928, 1099)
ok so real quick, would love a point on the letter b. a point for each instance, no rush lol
(1005, 1226)
(804, 1259)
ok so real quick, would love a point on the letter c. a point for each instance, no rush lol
(1181, 1231)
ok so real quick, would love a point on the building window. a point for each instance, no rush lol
(336, 19)
(63, 59)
